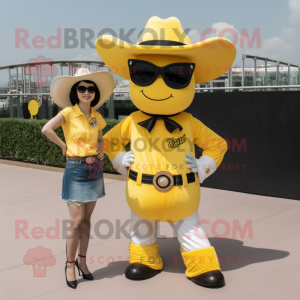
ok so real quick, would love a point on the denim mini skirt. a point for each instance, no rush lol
(83, 182)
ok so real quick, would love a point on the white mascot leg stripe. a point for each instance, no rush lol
(142, 231)
(189, 232)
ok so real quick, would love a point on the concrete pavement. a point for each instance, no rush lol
(259, 253)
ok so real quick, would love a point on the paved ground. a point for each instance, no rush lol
(260, 264)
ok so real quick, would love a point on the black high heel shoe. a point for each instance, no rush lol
(80, 272)
(71, 284)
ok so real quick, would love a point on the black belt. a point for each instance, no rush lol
(148, 179)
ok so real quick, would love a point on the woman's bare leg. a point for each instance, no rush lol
(85, 235)
(77, 214)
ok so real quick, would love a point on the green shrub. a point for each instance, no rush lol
(23, 140)
(4, 112)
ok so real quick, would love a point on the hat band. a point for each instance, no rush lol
(161, 43)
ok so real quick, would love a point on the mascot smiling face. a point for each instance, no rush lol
(161, 84)
(163, 69)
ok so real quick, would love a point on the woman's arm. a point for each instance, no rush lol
(100, 145)
(48, 131)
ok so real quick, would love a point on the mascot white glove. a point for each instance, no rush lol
(205, 166)
(122, 161)
(128, 159)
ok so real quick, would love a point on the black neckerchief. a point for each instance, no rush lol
(170, 124)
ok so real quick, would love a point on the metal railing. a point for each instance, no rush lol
(25, 94)
(250, 87)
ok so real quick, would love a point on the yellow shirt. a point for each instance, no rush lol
(81, 137)
(158, 151)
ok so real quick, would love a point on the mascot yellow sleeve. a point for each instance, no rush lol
(213, 145)
(117, 138)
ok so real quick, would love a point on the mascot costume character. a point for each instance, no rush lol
(163, 175)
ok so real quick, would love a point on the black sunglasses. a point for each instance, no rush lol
(176, 76)
(91, 89)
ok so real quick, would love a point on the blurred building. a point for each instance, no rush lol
(32, 80)
(23, 82)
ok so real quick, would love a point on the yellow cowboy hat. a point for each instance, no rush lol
(61, 86)
(212, 57)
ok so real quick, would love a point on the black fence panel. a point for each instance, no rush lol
(262, 130)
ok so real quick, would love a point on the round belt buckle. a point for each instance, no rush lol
(90, 160)
(163, 181)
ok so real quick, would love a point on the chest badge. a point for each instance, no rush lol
(94, 123)
(173, 143)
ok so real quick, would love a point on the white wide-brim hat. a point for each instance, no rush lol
(60, 87)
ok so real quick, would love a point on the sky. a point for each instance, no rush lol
(274, 24)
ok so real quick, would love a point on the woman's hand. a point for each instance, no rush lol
(100, 155)
(64, 149)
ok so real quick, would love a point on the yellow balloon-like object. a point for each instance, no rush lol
(33, 107)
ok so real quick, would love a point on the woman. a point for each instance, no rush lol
(83, 184)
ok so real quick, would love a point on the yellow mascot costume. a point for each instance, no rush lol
(163, 175)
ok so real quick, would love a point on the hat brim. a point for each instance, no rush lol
(61, 86)
(213, 57)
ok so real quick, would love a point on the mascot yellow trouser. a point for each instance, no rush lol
(197, 253)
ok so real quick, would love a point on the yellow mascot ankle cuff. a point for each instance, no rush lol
(145, 255)
(200, 261)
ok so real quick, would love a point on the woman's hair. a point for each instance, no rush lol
(73, 94)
